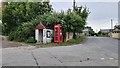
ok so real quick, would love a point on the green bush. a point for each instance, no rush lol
(11, 36)
(24, 32)
(102, 34)
(17, 36)
(31, 40)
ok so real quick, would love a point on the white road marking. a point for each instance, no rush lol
(102, 58)
(111, 58)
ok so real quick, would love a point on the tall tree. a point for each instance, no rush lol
(15, 13)
(76, 20)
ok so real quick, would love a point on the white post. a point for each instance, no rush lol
(44, 35)
(37, 35)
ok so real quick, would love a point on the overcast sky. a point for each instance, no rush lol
(101, 11)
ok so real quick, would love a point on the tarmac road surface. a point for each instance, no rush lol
(94, 51)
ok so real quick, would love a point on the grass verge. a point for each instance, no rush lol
(69, 42)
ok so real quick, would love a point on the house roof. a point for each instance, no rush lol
(85, 30)
(40, 26)
(117, 27)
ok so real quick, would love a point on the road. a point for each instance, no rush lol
(94, 51)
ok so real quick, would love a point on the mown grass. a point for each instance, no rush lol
(69, 42)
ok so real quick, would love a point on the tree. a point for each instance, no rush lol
(91, 32)
(25, 32)
(70, 21)
(76, 20)
(15, 13)
(20, 19)
(83, 12)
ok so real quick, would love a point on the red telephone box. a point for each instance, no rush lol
(58, 36)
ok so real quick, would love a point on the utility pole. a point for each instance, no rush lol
(73, 5)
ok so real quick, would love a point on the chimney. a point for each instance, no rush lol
(111, 24)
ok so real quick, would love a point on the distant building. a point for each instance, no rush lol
(116, 32)
(87, 31)
(105, 30)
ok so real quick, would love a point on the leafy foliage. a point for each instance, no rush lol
(103, 34)
(20, 19)
(31, 40)
(70, 21)
(24, 32)
(16, 13)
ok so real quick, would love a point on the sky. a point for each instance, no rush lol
(101, 11)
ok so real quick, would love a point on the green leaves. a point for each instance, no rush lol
(20, 19)
(73, 22)
(24, 32)
(70, 21)
(16, 13)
